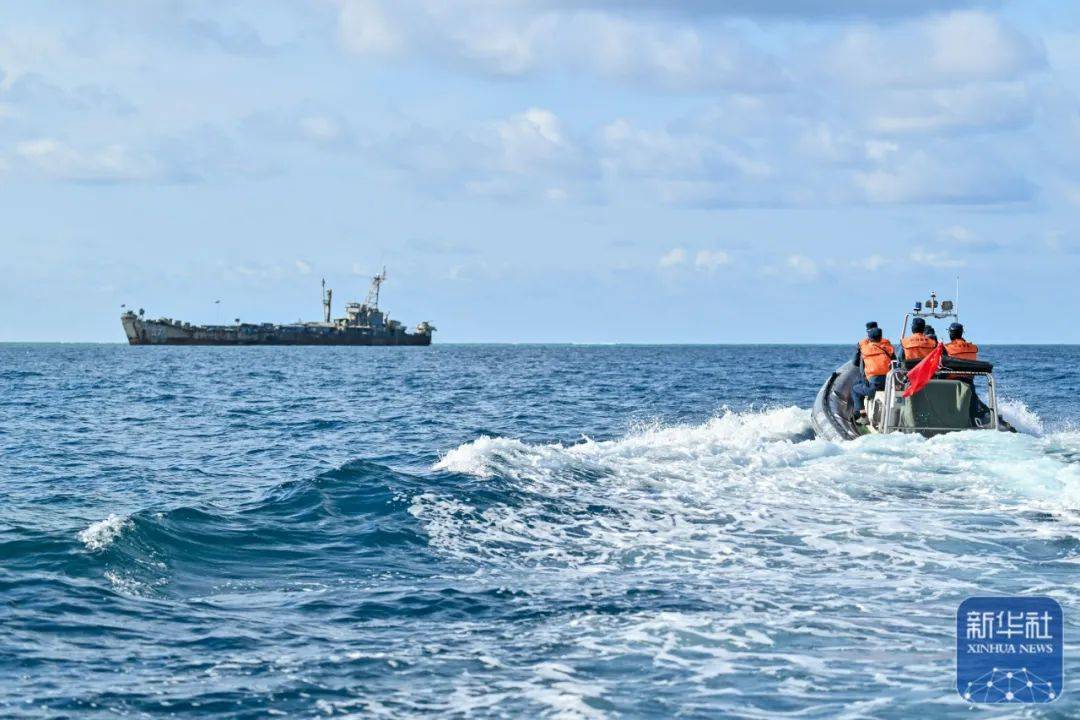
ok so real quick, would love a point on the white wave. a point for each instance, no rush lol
(682, 494)
(487, 456)
(768, 544)
(101, 534)
(1021, 417)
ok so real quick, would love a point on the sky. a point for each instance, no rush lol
(542, 170)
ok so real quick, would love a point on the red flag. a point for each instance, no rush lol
(923, 373)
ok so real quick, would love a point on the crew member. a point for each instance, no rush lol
(930, 332)
(876, 354)
(858, 351)
(958, 347)
(917, 345)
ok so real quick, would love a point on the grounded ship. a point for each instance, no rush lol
(363, 324)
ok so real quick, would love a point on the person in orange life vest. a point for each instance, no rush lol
(918, 344)
(958, 347)
(858, 350)
(961, 349)
(875, 354)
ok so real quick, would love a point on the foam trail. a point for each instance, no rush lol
(737, 433)
(673, 495)
(101, 534)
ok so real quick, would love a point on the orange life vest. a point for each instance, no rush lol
(884, 343)
(961, 349)
(917, 346)
(876, 357)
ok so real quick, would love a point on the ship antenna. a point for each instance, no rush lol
(956, 302)
(326, 297)
(372, 299)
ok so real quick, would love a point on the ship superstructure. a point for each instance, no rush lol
(364, 324)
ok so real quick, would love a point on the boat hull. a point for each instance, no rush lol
(154, 332)
(831, 414)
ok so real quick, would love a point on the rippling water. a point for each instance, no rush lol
(506, 531)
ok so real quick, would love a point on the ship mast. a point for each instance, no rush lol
(326, 297)
(372, 299)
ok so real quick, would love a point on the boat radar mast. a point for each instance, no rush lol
(932, 308)
(372, 299)
(327, 295)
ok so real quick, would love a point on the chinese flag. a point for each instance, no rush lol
(922, 373)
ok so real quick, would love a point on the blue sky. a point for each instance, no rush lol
(542, 170)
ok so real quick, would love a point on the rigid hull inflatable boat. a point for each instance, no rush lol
(947, 403)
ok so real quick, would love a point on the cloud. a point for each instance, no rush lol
(56, 160)
(527, 156)
(303, 268)
(935, 258)
(966, 239)
(802, 267)
(1058, 241)
(322, 129)
(808, 10)
(939, 50)
(944, 178)
(517, 39)
(872, 263)
(673, 258)
(980, 107)
(365, 28)
(710, 260)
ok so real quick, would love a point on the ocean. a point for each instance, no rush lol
(507, 531)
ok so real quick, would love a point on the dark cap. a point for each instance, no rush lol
(918, 325)
(872, 324)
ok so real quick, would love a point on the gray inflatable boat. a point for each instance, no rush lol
(948, 403)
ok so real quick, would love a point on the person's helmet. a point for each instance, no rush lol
(918, 325)
(871, 325)
(956, 330)
(874, 333)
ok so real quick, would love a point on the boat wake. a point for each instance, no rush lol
(684, 493)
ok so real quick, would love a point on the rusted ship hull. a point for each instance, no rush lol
(159, 332)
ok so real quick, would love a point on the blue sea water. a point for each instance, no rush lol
(507, 531)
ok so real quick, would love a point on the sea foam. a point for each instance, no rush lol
(101, 534)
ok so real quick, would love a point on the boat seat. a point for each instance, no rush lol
(941, 404)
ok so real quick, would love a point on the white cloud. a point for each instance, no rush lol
(935, 258)
(966, 239)
(710, 260)
(983, 107)
(939, 50)
(802, 267)
(535, 137)
(673, 257)
(529, 155)
(303, 268)
(321, 129)
(56, 160)
(365, 27)
(514, 39)
(975, 177)
(873, 263)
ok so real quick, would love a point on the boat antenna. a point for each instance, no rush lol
(326, 297)
(956, 299)
(372, 300)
